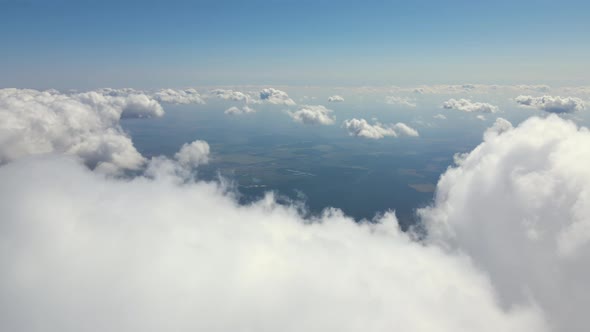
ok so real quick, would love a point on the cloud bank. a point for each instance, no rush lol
(466, 105)
(552, 104)
(313, 114)
(361, 128)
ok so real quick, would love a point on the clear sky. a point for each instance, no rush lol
(145, 44)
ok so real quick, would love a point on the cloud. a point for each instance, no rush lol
(440, 117)
(233, 96)
(165, 253)
(81, 124)
(518, 205)
(504, 247)
(393, 100)
(466, 105)
(239, 111)
(313, 114)
(361, 128)
(186, 96)
(274, 96)
(335, 98)
(552, 104)
(193, 154)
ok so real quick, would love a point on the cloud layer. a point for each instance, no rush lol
(153, 254)
(552, 104)
(361, 128)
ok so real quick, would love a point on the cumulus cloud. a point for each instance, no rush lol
(274, 96)
(193, 154)
(361, 128)
(466, 105)
(440, 117)
(505, 245)
(239, 111)
(393, 100)
(186, 96)
(335, 98)
(81, 124)
(518, 204)
(552, 104)
(152, 254)
(233, 95)
(313, 114)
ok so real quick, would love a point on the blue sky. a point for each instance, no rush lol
(145, 44)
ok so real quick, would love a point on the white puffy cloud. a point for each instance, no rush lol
(440, 117)
(193, 154)
(154, 254)
(186, 96)
(518, 205)
(233, 95)
(394, 100)
(552, 104)
(466, 105)
(313, 114)
(274, 96)
(81, 124)
(361, 128)
(335, 98)
(239, 111)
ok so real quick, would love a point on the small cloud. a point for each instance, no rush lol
(193, 154)
(466, 105)
(393, 100)
(361, 128)
(552, 104)
(335, 99)
(233, 96)
(186, 96)
(313, 114)
(239, 111)
(481, 117)
(274, 96)
(440, 117)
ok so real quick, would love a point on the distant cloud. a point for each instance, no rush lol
(335, 99)
(440, 117)
(481, 117)
(313, 114)
(233, 96)
(186, 96)
(552, 104)
(394, 100)
(274, 96)
(239, 111)
(361, 128)
(466, 105)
